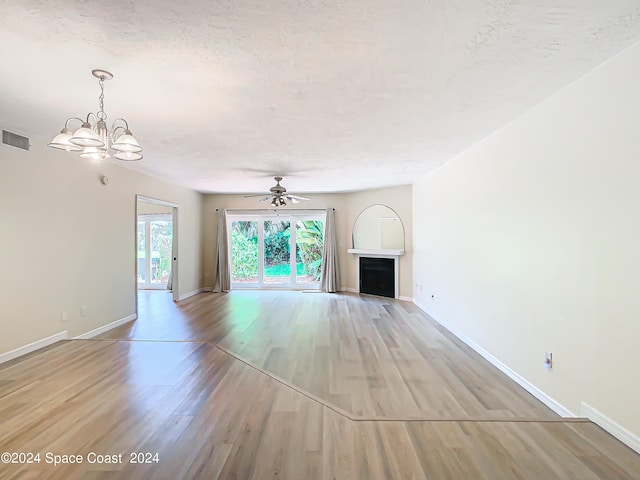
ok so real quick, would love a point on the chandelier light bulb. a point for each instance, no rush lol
(95, 153)
(128, 156)
(85, 136)
(126, 143)
(61, 141)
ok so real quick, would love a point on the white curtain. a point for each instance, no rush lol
(223, 276)
(329, 278)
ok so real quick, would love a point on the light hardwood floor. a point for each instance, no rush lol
(288, 385)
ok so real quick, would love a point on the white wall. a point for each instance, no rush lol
(69, 241)
(348, 206)
(530, 242)
(148, 208)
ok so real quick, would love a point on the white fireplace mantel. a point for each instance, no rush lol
(379, 253)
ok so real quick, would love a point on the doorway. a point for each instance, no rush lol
(155, 240)
(156, 245)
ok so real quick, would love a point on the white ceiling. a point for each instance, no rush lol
(336, 95)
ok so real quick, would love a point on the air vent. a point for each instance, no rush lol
(15, 140)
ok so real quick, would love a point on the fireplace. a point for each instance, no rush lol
(377, 276)
(377, 271)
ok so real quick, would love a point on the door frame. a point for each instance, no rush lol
(174, 243)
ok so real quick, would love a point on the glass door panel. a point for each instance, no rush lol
(161, 237)
(154, 246)
(244, 252)
(309, 245)
(277, 253)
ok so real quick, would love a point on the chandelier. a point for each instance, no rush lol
(93, 139)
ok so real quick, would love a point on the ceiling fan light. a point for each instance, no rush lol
(86, 137)
(61, 141)
(126, 143)
(128, 156)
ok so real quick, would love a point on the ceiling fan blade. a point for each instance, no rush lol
(278, 195)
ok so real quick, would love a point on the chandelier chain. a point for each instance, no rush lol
(101, 115)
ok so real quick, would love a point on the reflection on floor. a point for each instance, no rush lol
(288, 385)
(368, 357)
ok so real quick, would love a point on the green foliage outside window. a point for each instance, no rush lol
(244, 255)
(276, 243)
(310, 240)
(244, 248)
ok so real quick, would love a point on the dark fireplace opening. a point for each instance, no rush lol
(377, 276)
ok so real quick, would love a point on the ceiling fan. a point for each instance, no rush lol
(279, 195)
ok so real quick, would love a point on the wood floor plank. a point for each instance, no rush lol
(209, 415)
(332, 345)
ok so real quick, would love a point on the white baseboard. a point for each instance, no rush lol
(348, 289)
(106, 328)
(33, 346)
(355, 290)
(529, 387)
(614, 428)
(184, 296)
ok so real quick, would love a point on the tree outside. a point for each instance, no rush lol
(309, 245)
(244, 251)
(161, 239)
(277, 250)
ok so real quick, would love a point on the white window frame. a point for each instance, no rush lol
(260, 216)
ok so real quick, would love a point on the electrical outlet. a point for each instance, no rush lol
(64, 316)
(83, 311)
(548, 360)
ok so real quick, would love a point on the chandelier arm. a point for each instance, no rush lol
(113, 133)
(66, 124)
(89, 116)
(114, 127)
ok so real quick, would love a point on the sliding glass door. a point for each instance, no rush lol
(266, 252)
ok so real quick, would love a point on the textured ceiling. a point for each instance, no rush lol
(334, 96)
